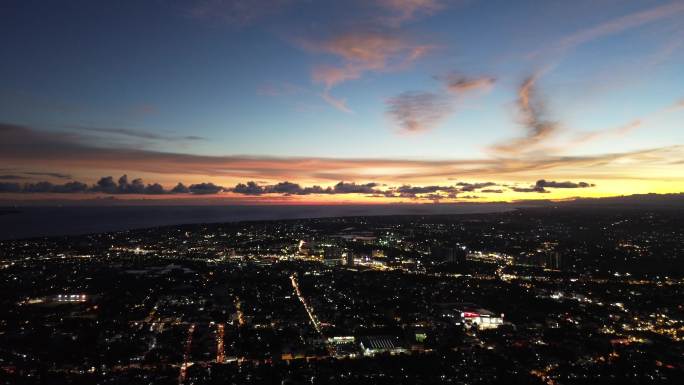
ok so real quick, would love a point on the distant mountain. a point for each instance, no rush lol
(652, 200)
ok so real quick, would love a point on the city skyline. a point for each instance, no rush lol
(385, 101)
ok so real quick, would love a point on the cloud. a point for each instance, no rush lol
(405, 10)
(340, 104)
(461, 84)
(361, 51)
(12, 177)
(35, 148)
(107, 185)
(415, 112)
(180, 188)
(47, 187)
(599, 135)
(251, 188)
(138, 134)
(671, 10)
(233, 12)
(205, 188)
(353, 188)
(474, 186)
(423, 192)
(542, 185)
(529, 189)
(679, 105)
(9, 187)
(532, 117)
(413, 190)
(50, 174)
(286, 188)
(553, 184)
(492, 191)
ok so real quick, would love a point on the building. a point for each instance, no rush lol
(349, 258)
(480, 318)
(473, 316)
(449, 254)
(373, 345)
(332, 256)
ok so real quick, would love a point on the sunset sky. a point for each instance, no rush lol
(373, 101)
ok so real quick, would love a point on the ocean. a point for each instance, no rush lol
(30, 222)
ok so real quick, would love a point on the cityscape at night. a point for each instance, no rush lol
(391, 192)
(530, 296)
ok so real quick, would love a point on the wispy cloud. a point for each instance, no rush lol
(233, 12)
(415, 112)
(616, 132)
(339, 103)
(279, 89)
(460, 84)
(533, 118)
(404, 10)
(34, 148)
(670, 10)
(137, 134)
(360, 52)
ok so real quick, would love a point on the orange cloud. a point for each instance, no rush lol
(532, 117)
(27, 147)
(362, 52)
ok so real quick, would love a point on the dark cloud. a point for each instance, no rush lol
(40, 187)
(8, 187)
(12, 177)
(70, 187)
(554, 184)
(137, 134)
(50, 174)
(106, 185)
(464, 186)
(289, 188)
(251, 188)
(123, 186)
(407, 189)
(180, 189)
(205, 188)
(295, 189)
(492, 191)
(285, 188)
(353, 188)
(47, 187)
(542, 185)
(154, 189)
(530, 189)
(459, 84)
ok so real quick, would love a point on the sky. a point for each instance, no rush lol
(361, 101)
